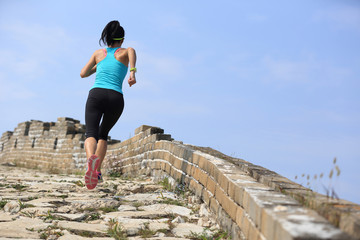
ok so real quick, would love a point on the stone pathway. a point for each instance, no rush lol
(37, 205)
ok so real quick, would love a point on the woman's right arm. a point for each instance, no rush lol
(89, 68)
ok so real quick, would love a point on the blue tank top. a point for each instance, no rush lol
(110, 73)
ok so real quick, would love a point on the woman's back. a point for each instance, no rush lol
(110, 72)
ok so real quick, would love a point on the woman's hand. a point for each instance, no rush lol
(132, 79)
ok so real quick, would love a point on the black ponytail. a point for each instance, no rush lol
(112, 30)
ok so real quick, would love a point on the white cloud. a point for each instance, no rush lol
(12, 90)
(304, 71)
(340, 17)
(18, 66)
(37, 38)
(171, 21)
(285, 70)
(166, 65)
(40, 45)
(257, 18)
(145, 107)
(158, 70)
(39, 51)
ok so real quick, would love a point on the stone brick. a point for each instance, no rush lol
(203, 177)
(214, 205)
(178, 175)
(216, 173)
(177, 163)
(196, 173)
(206, 196)
(224, 220)
(230, 207)
(163, 137)
(254, 234)
(188, 154)
(268, 225)
(231, 189)
(202, 161)
(186, 180)
(159, 145)
(223, 182)
(240, 216)
(178, 151)
(157, 164)
(163, 155)
(246, 225)
(196, 188)
(184, 166)
(195, 158)
(168, 168)
(211, 185)
(209, 168)
(171, 159)
(188, 169)
(219, 195)
(163, 166)
(236, 233)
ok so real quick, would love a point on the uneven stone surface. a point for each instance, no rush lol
(36, 205)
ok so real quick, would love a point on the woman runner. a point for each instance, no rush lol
(105, 101)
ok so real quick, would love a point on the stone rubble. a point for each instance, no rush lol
(36, 205)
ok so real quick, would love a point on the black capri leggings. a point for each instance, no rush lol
(106, 104)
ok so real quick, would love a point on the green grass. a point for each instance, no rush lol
(19, 187)
(93, 216)
(137, 205)
(170, 201)
(166, 184)
(45, 233)
(108, 209)
(115, 230)
(216, 235)
(3, 203)
(146, 232)
(24, 205)
(79, 183)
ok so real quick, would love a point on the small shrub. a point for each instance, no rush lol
(93, 216)
(166, 184)
(146, 232)
(137, 205)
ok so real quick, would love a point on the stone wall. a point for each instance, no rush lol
(50, 146)
(250, 202)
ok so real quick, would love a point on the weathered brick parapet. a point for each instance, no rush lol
(250, 202)
(55, 146)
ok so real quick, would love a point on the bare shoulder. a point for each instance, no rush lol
(99, 52)
(121, 52)
(130, 49)
(99, 55)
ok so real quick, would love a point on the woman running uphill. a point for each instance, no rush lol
(105, 100)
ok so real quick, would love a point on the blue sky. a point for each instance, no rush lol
(274, 83)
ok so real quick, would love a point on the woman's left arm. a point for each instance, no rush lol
(89, 68)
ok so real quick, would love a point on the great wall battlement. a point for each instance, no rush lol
(249, 201)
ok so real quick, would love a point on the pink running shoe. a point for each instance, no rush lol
(91, 177)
